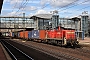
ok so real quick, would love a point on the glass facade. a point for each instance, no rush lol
(42, 24)
(67, 23)
(55, 21)
(84, 24)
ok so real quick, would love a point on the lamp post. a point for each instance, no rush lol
(23, 25)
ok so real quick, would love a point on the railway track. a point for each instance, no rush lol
(14, 52)
(53, 52)
(84, 52)
(35, 54)
(59, 53)
(67, 53)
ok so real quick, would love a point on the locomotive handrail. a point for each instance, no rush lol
(65, 41)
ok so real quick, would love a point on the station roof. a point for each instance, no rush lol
(49, 16)
(75, 19)
(42, 16)
(1, 3)
(12, 17)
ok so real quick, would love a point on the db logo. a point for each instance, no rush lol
(35, 34)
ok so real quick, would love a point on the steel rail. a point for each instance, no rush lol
(17, 50)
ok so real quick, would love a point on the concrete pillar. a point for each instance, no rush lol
(82, 35)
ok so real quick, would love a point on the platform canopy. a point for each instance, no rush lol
(1, 3)
(75, 19)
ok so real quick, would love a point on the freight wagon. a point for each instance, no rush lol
(55, 36)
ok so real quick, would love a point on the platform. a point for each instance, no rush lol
(3, 53)
(86, 41)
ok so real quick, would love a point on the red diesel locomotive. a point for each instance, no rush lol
(62, 37)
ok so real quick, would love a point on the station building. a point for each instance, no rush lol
(81, 24)
(43, 21)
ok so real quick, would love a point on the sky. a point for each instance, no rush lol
(65, 8)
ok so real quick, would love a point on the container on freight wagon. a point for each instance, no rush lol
(29, 34)
(12, 34)
(21, 34)
(7, 34)
(35, 33)
(26, 34)
(42, 34)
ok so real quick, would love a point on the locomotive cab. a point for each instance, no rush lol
(69, 37)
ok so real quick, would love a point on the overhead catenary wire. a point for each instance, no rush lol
(20, 7)
(25, 4)
(22, 4)
(14, 6)
(68, 4)
(57, 9)
(83, 8)
(74, 5)
(62, 6)
(78, 9)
